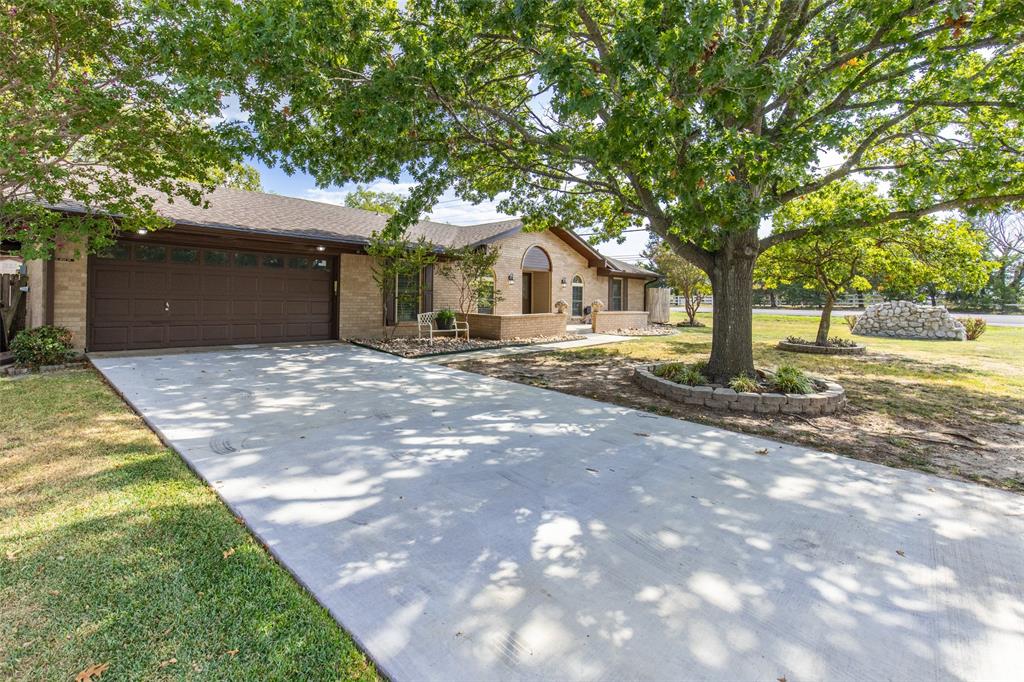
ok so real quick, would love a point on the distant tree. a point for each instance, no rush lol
(902, 256)
(369, 200)
(394, 256)
(471, 270)
(682, 276)
(238, 176)
(98, 97)
(1005, 233)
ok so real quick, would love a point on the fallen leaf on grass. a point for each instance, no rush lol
(229, 552)
(169, 661)
(94, 671)
(232, 652)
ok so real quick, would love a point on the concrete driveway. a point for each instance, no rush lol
(466, 528)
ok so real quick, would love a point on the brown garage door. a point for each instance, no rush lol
(151, 295)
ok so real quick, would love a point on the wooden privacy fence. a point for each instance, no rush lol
(11, 298)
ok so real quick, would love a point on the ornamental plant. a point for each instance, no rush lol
(46, 345)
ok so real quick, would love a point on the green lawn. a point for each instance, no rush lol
(112, 551)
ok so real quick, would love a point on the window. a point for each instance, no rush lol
(184, 256)
(407, 297)
(116, 251)
(246, 260)
(150, 254)
(485, 302)
(216, 257)
(273, 261)
(298, 263)
(577, 296)
(616, 294)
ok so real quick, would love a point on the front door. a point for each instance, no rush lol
(527, 293)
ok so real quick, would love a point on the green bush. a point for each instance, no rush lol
(45, 345)
(789, 379)
(744, 384)
(975, 326)
(680, 373)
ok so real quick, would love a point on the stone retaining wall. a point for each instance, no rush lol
(610, 320)
(504, 327)
(827, 401)
(909, 320)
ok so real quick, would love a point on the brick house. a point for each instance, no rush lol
(254, 268)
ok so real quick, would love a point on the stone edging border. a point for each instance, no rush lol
(831, 400)
(14, 370)
(821, 350)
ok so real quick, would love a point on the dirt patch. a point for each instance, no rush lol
(981, 442)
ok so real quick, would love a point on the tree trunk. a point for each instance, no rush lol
(771, 297)
(732, 289)
(826, 321)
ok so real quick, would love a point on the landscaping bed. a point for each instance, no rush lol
(113, 553)
(959, 415)
(821, 397)
(836, 346)
(653, 330)
(419, 348)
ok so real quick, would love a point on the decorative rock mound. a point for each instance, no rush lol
(908, 320)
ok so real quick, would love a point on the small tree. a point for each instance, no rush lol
(471, 270)
(901, 256)
(683, 276)
(394, 257)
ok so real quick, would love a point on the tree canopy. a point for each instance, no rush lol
(370, 200)
(698, 120)
(98, 97)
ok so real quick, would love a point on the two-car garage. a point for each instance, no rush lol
(156, 294)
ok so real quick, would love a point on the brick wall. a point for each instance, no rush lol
(70, 292)
(515, 326)
(610, 320)
(360, 304)
(35, 302)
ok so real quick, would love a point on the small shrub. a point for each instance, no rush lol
(45, 345)
(445, 319)
(975, 326)
(701, 366)
(789, 379)
(850, 320)
(744, 384)
(680, 373)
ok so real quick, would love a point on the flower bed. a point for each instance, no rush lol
(826, 396)
(418, 348)
(836, 346)
(653, 330)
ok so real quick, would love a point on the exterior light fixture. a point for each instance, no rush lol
(321, 248)
(142, 231)
(564, 282)
(511, 278)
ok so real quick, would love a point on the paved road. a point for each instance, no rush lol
(466, 528)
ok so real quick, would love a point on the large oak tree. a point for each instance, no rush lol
(697, 119)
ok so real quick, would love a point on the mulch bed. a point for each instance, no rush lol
(418, 348)
(653, 330)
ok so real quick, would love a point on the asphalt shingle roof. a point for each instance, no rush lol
(258, 212)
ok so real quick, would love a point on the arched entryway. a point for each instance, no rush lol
(536, 281)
